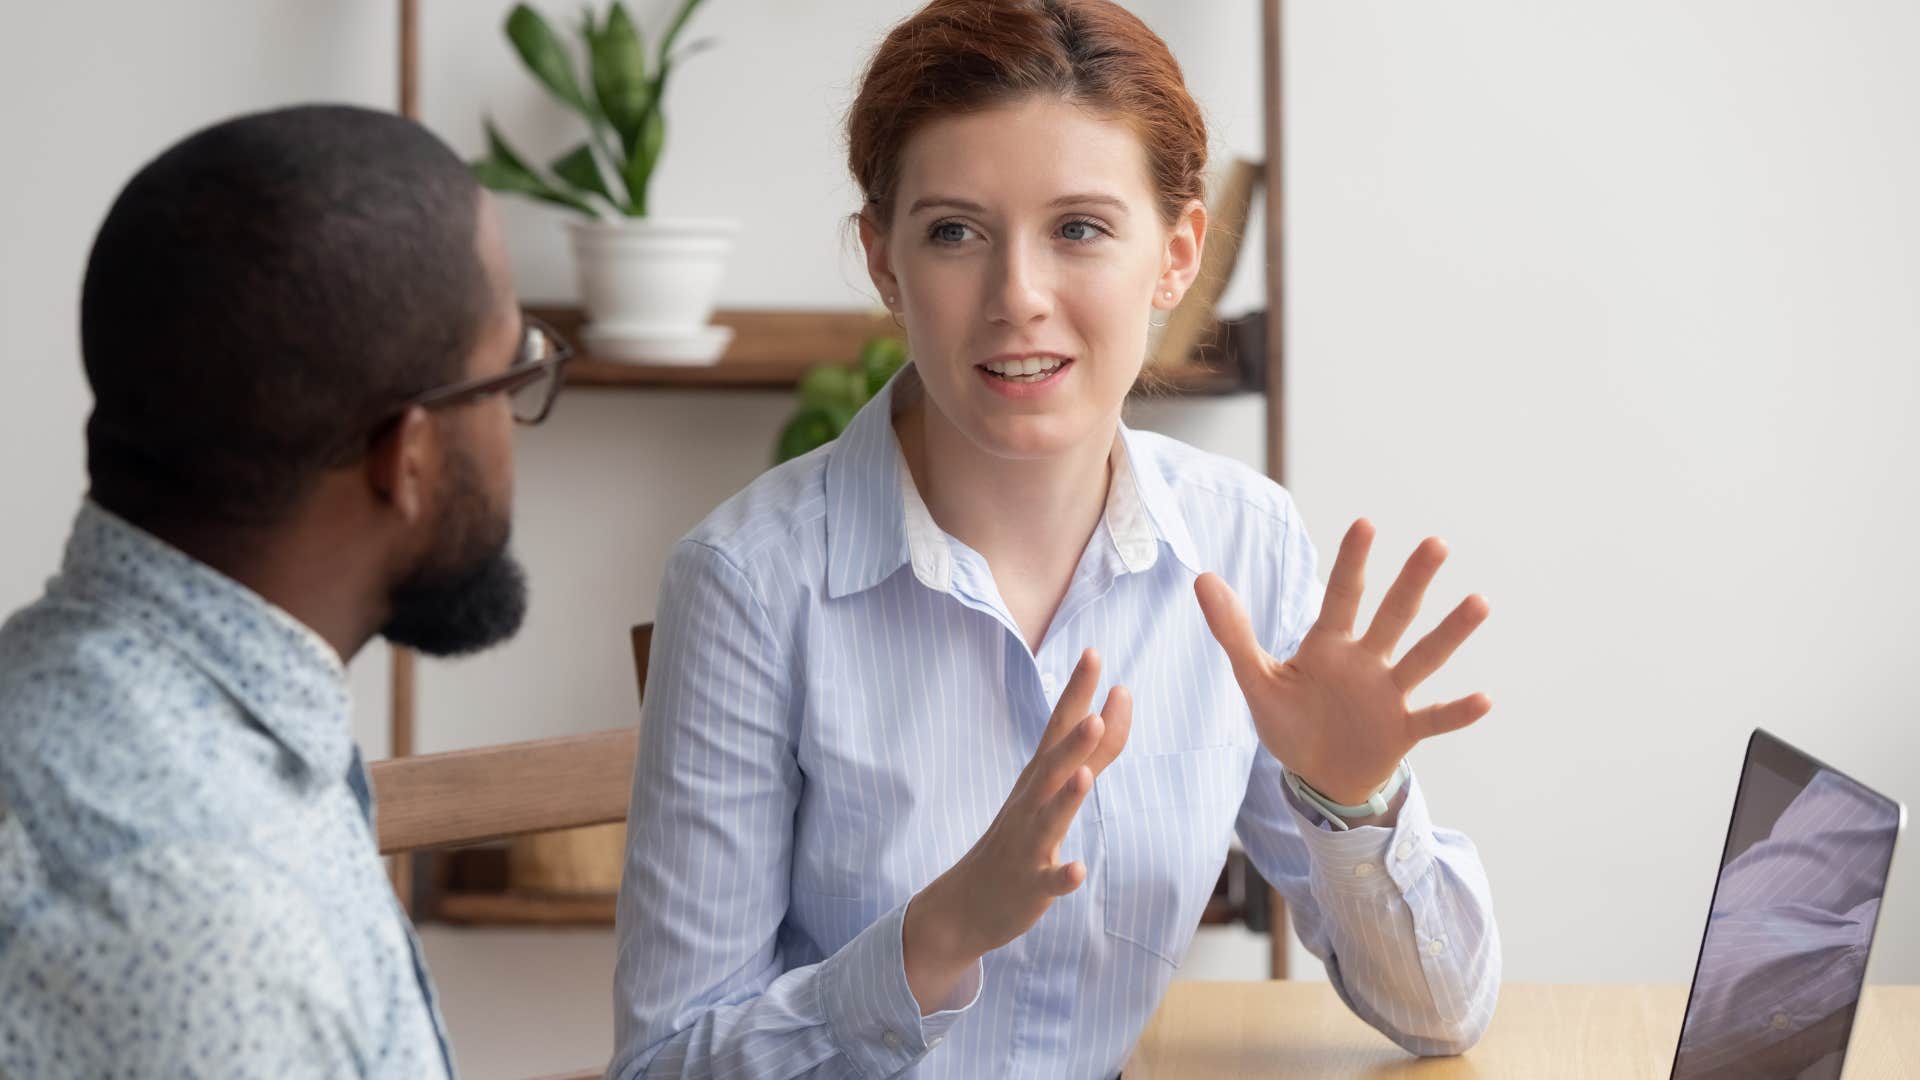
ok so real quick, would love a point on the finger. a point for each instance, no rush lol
(1341, 605)
(1402, 602)
(1227, 618)
(1051, 824)
(1062, 880)
(1056, 765)
(1118, 713)
(1454, 715)
(1431, 651)
(1076, 701)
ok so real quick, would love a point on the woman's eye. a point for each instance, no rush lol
(950, 232)
(1081, 232)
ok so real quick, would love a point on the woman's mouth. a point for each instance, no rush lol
(1031, 369)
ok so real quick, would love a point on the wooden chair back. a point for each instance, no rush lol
(494, 792)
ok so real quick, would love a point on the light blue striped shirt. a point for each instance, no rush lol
(838, 705)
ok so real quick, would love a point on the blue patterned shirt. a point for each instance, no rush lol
(840, 701)
(189, 884)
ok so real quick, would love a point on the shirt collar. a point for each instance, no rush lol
(877, 522)
(285, 675)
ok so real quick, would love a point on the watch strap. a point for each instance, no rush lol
(1339, 815)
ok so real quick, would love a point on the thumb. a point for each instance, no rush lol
(1231, 627)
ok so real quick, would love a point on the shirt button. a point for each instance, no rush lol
(935, 1041)
(1406, 850)
(1049, 682)
(1436, 947)
(891, 1039)
(1365, 869)
(1781, 1021)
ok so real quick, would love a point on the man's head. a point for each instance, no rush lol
(263, 304)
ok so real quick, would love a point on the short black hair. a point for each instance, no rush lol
(261, 296)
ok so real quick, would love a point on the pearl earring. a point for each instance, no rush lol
(1168, 294)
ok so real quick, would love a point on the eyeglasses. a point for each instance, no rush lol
(530, 383)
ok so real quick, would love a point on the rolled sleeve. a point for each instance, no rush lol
(1370, 860)
(875, 1019)
(1401, 916)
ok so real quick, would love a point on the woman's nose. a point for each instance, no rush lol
(1020, 295)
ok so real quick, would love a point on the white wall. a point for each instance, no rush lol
(1617, 298)
(1621, 300)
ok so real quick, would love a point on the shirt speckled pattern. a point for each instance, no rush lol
(189, 884)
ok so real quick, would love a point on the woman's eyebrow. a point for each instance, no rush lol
(948, 201)
(953, 202)
(1092, 197)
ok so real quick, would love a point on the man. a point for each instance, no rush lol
(306, 357)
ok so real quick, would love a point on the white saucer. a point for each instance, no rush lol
(703, 346)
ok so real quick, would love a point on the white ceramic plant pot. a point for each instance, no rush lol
(648, 286)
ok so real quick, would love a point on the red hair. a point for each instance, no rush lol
(957, 56)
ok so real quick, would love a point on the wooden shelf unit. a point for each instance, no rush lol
(774, 349)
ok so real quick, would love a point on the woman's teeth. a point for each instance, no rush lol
(1032, 369)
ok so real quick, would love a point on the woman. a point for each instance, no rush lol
(877, 823)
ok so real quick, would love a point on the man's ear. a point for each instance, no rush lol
(873, 238)
(401, 462)
(1180, 263)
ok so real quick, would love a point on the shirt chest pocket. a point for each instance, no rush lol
(1165, 823)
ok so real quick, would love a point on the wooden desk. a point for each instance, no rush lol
(1219, 1031)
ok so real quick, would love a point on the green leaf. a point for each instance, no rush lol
(619, 62)
(540, 49)
(695, 49)
(577, 167)
(499, 175)
(498, 149)
(841, 413)
(638, 173)
(810, 428)
(673, 30)
(828, 384)
(505, 170)
(879, 359)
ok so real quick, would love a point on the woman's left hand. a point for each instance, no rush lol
(1335, 713)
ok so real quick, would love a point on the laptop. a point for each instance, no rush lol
(1784, 955)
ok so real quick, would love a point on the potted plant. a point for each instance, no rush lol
(647, 282)
(830, 394)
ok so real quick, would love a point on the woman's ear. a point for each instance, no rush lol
(1180, 262)
(873, 238)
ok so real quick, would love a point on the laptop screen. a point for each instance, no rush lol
(1793, 913)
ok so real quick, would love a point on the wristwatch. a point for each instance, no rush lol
(1340, 816)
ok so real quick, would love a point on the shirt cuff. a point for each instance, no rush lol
(1369, 860)
(870, 1009)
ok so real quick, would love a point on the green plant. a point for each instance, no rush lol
(620, 102)
(831, 393)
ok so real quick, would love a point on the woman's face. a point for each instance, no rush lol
(1025, 254)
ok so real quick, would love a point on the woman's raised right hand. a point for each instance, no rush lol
(1002, 886)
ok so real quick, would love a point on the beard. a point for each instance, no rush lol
(468, 593)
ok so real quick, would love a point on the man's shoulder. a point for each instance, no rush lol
(59, 647)
(74, 678)
(111, 740)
